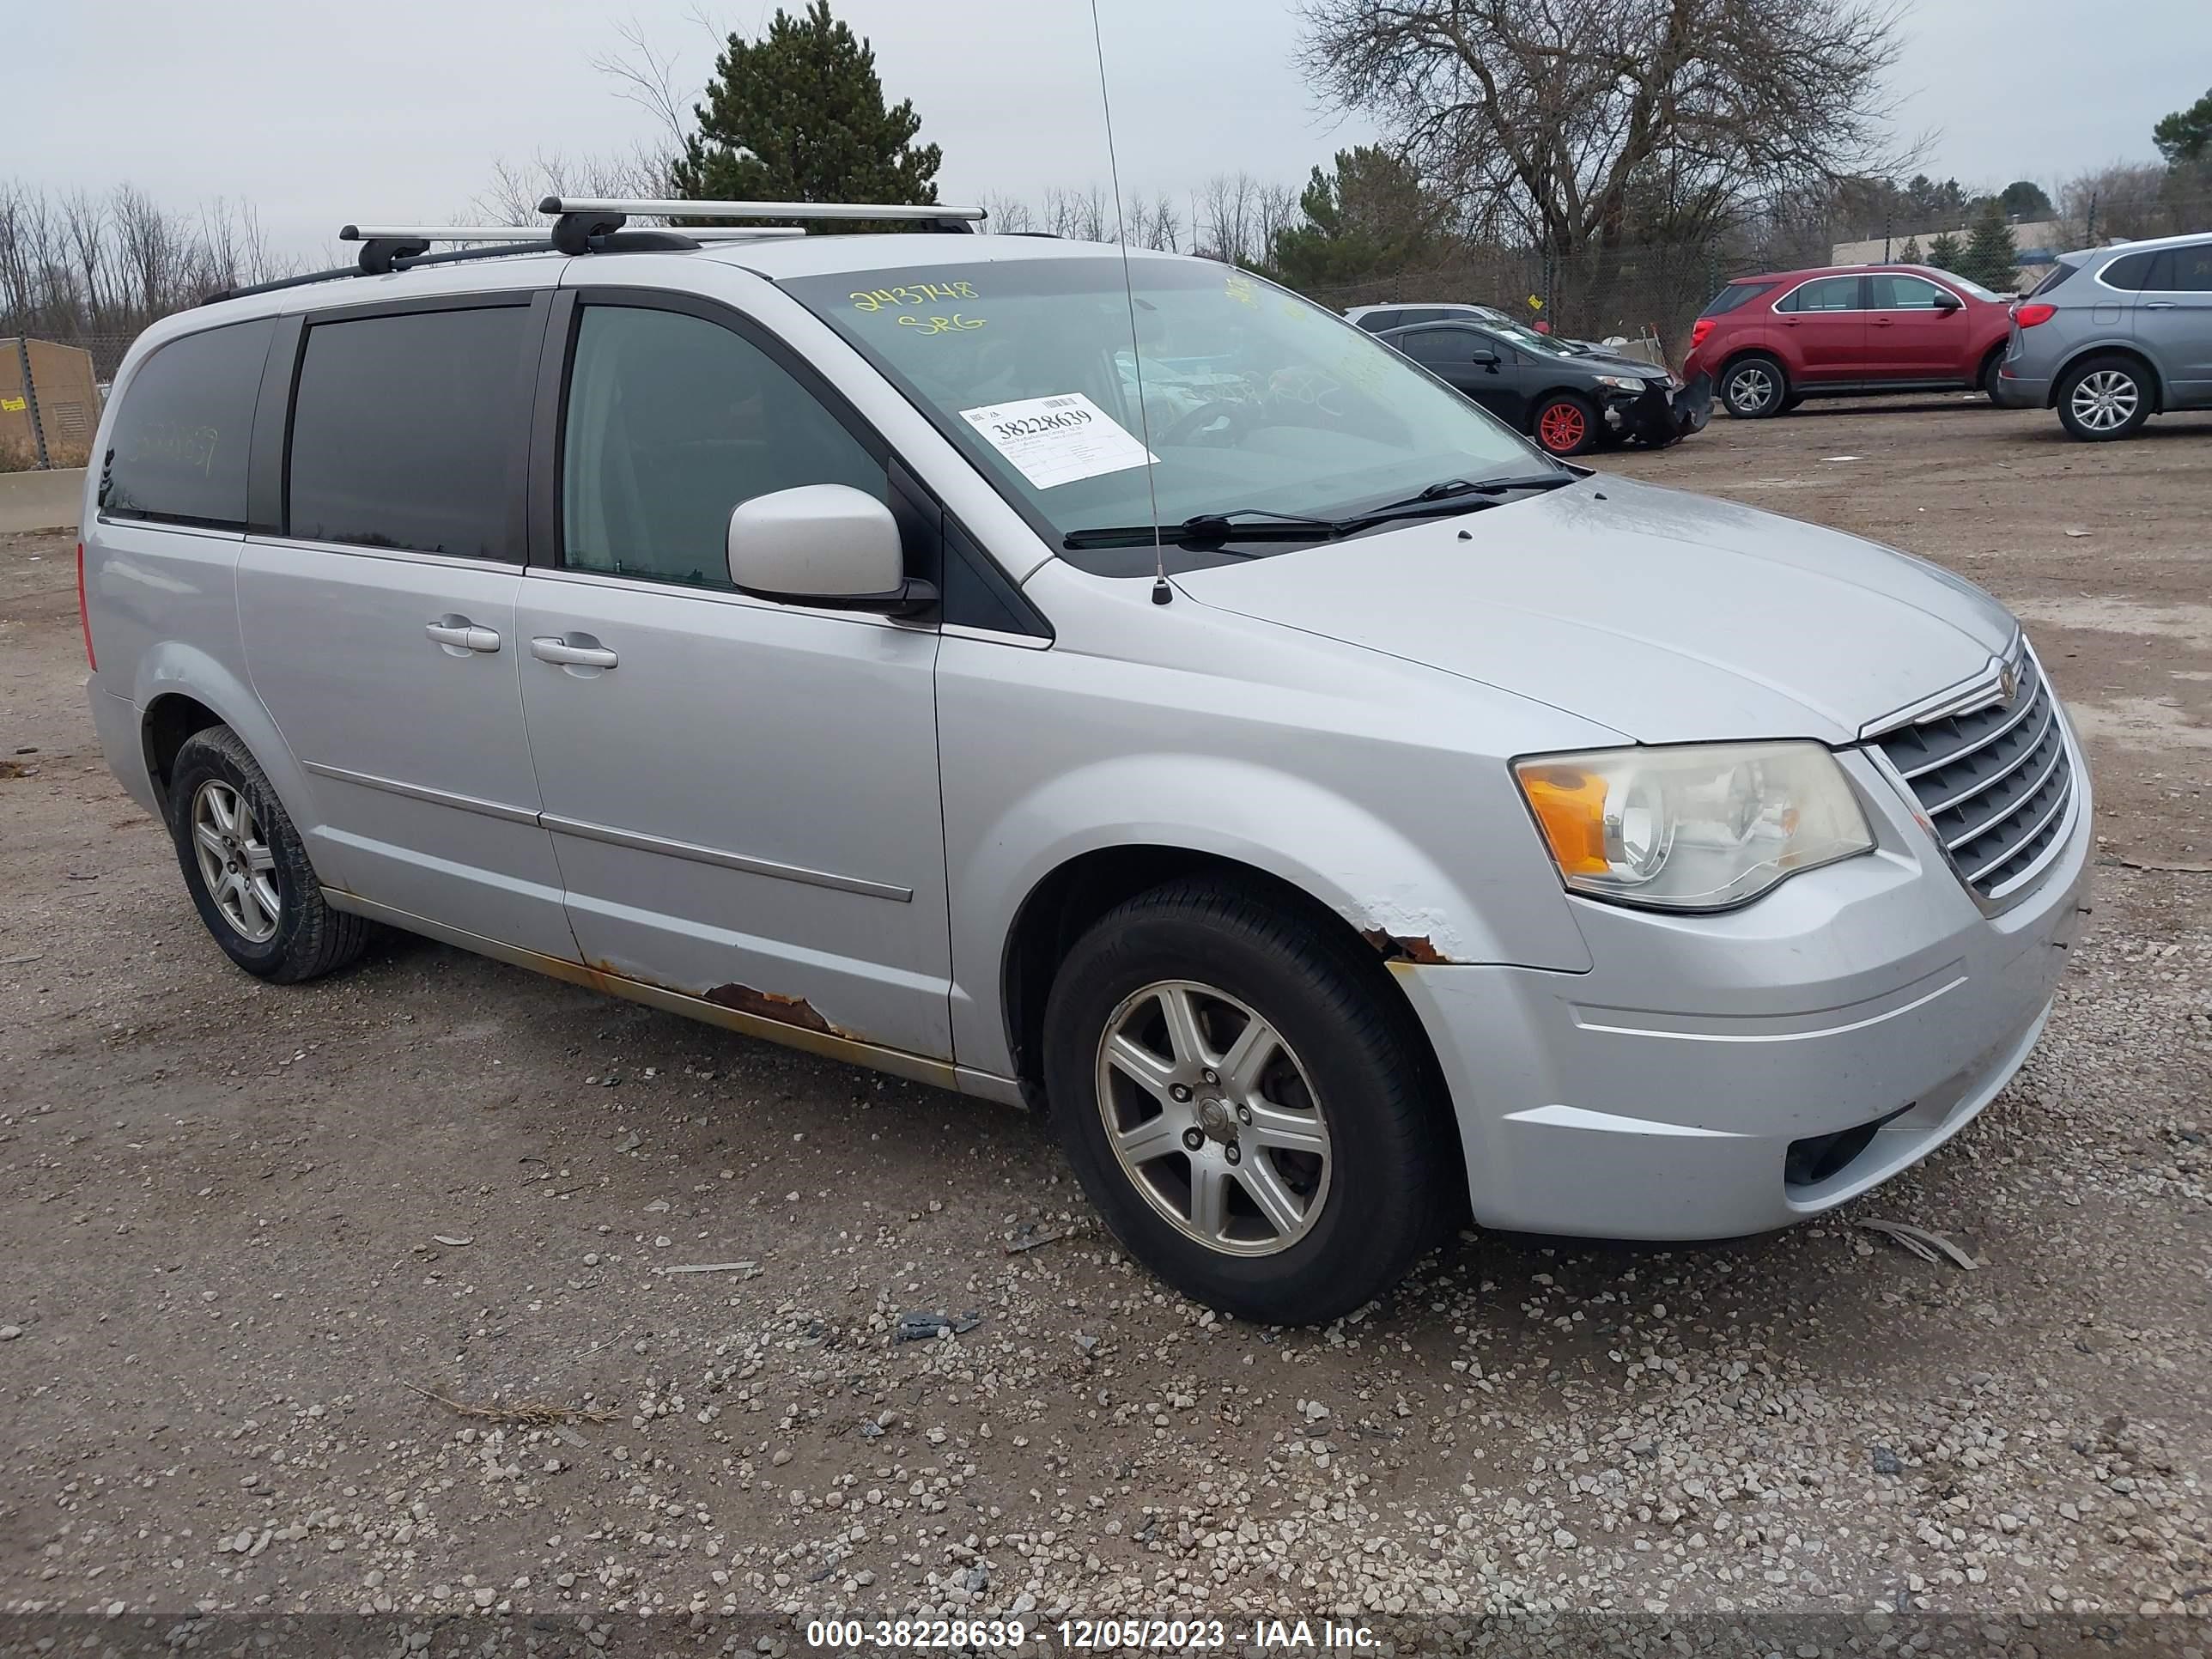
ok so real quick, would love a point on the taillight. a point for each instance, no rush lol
(2028, 316)
(84, 614)
(1698, 330)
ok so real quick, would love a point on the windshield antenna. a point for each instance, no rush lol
(1162, 592)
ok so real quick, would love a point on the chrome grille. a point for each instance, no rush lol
(1993, 783)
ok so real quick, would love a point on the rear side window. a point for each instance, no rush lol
(1733, 295)
(1829, 294)
(177, 452)
(406, 429)
(672, 421)
(2130, 272)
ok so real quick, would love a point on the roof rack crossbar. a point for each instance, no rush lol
(939, 217)
(442, 234)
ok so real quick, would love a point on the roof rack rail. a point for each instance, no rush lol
(929, 215)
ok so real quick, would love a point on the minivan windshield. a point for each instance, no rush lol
(1256, 404)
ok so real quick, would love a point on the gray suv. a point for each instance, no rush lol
(1093, 678)
(2114, 335)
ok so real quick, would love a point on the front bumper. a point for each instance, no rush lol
(1661, 414)
(1720, 1075)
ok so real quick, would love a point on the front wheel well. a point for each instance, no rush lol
(1065, 902)
(169, 721)
(2149, 370)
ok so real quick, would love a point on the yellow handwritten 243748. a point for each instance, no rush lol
(918, 293)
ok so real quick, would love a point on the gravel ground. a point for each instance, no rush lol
(366, 1296)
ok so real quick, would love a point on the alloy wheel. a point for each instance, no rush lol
(1562, 428)
(235, 861)
(1750, 389)
(2105, 400)
(1213, 1118)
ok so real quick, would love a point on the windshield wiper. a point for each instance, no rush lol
(1447, 489)
(1253, 524)
(1205, 528)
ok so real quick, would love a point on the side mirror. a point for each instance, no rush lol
(1484, 360)
(1946, 301)
(826, 546)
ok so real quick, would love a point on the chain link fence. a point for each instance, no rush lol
(1596, 294)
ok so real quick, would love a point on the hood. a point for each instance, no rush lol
(1669, 618)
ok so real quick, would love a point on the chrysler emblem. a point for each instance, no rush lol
(2008, 682)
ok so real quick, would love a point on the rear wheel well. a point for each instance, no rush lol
(2149, 370)
(1067, 901)
(169, 721)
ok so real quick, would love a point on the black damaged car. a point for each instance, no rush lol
(1570, 401)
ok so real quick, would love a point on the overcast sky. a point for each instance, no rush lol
(321, 112)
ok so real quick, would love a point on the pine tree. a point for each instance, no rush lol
(1910, 253)
(1946, 252)
(1371, 216)
(1991, 260)
(799, 116)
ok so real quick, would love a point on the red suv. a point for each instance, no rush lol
(1772, 342)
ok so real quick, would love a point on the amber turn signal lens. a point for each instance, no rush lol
(1570, 807)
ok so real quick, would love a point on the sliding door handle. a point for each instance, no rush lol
(553, 649)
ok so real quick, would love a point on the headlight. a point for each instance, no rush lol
(1623, 382)
(1692, 828)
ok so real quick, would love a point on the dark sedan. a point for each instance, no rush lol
(1568, 401)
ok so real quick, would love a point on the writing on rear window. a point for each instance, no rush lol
(915, 294)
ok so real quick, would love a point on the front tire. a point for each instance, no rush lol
(1754, 388)
(2103, 398)
(1247, 1103)
(1566, 424)
(247, 868)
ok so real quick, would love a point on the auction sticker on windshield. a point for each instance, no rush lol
(1056, 441)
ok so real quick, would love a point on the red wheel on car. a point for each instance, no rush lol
(1564, 425)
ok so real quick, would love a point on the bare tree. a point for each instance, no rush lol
(96, 269)
(1154, 225)
(1560, 119)
(1226, 219)
(1007, 214)
(2124, 199)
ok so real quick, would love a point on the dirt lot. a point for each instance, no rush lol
(261, 1243)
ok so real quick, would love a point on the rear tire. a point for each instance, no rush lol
(1990, 364)
(2101, 399)
(1566, 424)
(1755, 387)
(247, 868)
(1306, 1162)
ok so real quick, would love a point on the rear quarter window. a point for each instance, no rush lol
(2130, 272)
(2053, 277)
(176, 453)
(1733, 295)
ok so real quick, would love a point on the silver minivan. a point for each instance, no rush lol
(1103, 680)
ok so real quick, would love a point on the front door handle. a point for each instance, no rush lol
(460, 634)
(1884, 322)
(552, 648)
